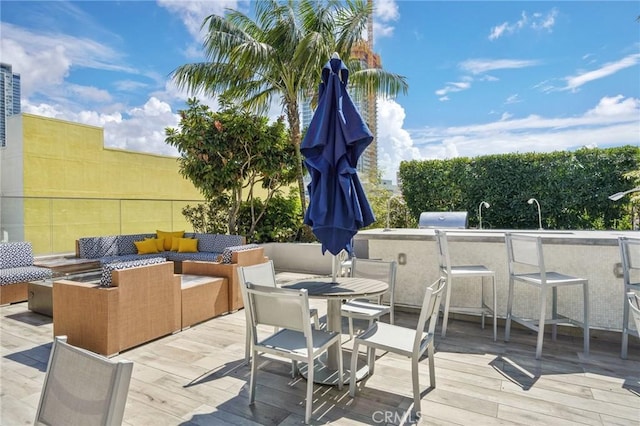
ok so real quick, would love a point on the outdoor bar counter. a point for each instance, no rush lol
(589, 254)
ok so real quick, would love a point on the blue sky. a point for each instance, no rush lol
(484, 77)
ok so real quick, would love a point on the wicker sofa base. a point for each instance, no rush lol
(229, 271)
(203, 298)
(13, 293)
(16, 270)
(143, 304)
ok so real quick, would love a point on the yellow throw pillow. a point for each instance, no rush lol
(159, 243)
(146, 246)
(187, 245)
(168, 237)
(175, 243)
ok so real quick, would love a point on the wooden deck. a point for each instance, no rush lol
(197, 377)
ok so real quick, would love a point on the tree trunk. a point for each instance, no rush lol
(296, 139)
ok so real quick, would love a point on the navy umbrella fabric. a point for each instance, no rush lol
(336, 138)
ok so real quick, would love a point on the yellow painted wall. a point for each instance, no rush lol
(69, 160)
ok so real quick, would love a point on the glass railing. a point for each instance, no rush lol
(53, 224)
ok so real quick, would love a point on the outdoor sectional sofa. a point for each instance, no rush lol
(217, 255)
(121, 248)
(143, 299)
(16, 270)
(135, 302)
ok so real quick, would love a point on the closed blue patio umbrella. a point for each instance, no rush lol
(336, 138)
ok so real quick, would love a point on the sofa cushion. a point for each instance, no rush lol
(206, 242)
(146, 246)
(126, 243)
(159, 243)
(129, 257)
(227, 253)
(96, 247)
(187, 245)
(105, 280)
(223, 241)
(168, 237)
(22, 274)
(203, 256)
(16, 254)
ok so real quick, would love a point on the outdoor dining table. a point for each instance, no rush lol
(335, 291)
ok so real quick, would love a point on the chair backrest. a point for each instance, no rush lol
(279, 307)
(263, 274)
(381, 270)
(630, 256)
(429, 310)
(444, 261)
(259, 274)
(634, 307)
(525, 251)
(82, 388)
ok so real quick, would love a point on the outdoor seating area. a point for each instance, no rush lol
(16, 270)
(199, 377)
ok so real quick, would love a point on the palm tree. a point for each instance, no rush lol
(281, 53)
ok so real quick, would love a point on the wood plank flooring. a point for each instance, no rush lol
(197, 377)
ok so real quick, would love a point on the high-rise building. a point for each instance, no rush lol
(368, 107)
(9, 100)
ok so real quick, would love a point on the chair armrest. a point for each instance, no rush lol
(150, 302)
(87, 314)
(224, 270)
(248, 257)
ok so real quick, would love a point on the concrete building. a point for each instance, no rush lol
(58, 183)
(9, 98)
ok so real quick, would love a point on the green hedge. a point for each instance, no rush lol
(571, 187)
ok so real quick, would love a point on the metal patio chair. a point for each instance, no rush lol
(403, 341)
(630, 256)
(633, 300)
(297, 340)
(526, 265)
(368, 309)
(261, 274)
(82, 388)
(464, 271)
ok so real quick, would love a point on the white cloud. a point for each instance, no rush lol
(616, 107)
(145, 129)
(452, 87)
(394, 143)
(537, 21)
(139, 129)
(381, 30)
(384, 12)
(479, 66)
(613, 121)
(513, 99)
(89, 93)
(34, 77)
(606, 70)
(44, 61)
(193, 13)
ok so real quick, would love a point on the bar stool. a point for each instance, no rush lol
(630, 255)
(463, 271)
(525, 252)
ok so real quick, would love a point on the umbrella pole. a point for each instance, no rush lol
(335, 267)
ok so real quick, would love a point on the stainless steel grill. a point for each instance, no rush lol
(433, 220)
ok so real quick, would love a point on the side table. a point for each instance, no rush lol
(68, 265)
(40, 293)
(40, 299)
